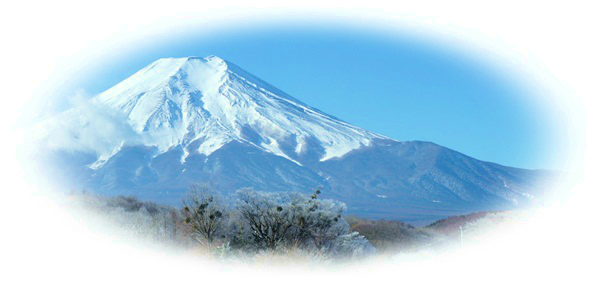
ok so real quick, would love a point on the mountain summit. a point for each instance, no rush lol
(184, 120)
(202, 104)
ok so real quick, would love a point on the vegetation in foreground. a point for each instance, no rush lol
(256, 223)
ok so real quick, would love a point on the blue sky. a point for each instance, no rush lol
(395, 85)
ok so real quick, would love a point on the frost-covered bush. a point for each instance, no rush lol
(267, 217)
(351, 245)
(270, 220)
(204, 214)
(317, 221)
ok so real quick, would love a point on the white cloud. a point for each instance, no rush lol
(88, 126)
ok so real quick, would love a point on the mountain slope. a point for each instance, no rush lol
(184, 120)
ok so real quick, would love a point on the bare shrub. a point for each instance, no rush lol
(203, 212)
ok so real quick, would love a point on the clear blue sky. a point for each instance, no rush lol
(390, 84)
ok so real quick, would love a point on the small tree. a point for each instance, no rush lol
(291, 218)
(203, 212)
(267, 216)
(317, 222)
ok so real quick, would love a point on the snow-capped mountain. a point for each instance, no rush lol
(202, 104)
(184, 120)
